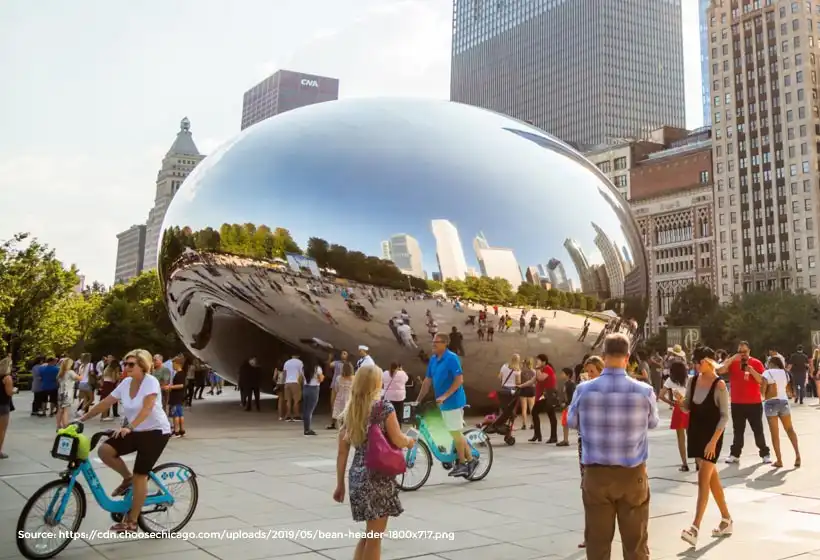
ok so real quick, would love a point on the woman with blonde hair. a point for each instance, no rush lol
(526, 390)
(373, 497)
(86, 388)
(146, 431)
(66, 378)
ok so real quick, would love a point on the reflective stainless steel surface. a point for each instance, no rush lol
(437, 187)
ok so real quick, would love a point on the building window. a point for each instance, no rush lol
(620, 163)
(619, 180)
(704, 177)
(605, 166)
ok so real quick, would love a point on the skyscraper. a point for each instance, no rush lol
(703, 27)
(130, 254)
(579, 259)
(283, 91)
(765, 118)
(176, 166)
(405, 252)
(386, 251)
(558, 276)
(449, 252)
(613, 262)
(587, 71)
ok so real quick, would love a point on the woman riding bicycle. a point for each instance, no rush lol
(146, 432)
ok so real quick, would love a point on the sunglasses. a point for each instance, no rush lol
(130, 364)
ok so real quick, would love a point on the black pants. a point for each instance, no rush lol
(199, 390)
(248, 394)
(811, 388)
(190, 387)
(753, 414)
(399, 406)
(544, 406)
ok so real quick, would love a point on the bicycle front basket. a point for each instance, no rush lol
(66, 447)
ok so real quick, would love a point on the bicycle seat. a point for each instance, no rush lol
(95, 439)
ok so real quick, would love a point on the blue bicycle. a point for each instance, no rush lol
(420, 457)
(56, 510)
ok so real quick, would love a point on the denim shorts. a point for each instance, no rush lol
(774, 408)
(175, 411)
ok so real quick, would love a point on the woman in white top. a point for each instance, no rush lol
(510, 374)
(313, 377)
(394, 387)
(146, 432)
(86, 389)
(775, 384)
(66, 379)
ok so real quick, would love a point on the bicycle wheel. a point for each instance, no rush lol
(422, 465)
(47, 500)
(481, 442)
(181, 483)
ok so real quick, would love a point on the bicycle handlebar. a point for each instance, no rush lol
(95, 439)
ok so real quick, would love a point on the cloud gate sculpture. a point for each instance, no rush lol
(318, 230)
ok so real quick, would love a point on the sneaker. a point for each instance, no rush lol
(767, 459)
(310, 433)
(176, 435)
(731, 460)
(3, 455)
(461, 469)
(289, 419)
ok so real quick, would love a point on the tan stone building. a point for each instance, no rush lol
(673, 205)
(763, 71)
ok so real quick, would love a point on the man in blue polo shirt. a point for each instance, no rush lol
(444, 372)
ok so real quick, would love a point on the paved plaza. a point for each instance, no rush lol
(255, 472)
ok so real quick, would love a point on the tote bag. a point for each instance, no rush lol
(382, 457)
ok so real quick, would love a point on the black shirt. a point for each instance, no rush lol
(455, 341)
(569, 390)
(177, 396)
(799, 362)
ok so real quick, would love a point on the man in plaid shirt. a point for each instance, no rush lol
(614, 414)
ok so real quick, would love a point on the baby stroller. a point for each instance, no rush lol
(502, 422)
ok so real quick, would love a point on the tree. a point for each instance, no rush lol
(32, 280)
(135, 316)
(692, 305)
(68, 323)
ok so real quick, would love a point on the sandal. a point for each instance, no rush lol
(124, 526)
(690, 535)
(123, 488)
(582, 545)
(684, 468)
(797, 463)
(725, 529)
(777, 465)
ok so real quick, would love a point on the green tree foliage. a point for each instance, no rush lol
(32, 282)
(134, 316)
(779, 320)
(497, 291)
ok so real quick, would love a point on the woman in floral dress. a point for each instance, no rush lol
(343, 385)
(373, 497)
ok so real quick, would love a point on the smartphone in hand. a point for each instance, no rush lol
(413, 434)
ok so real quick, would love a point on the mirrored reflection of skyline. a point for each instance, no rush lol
(494, 197)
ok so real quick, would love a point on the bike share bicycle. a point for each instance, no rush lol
(166, 484)
(421, 455)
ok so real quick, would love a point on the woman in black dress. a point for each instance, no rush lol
(707, 402)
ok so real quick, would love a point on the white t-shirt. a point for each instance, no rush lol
(293, 369)
(314, 381)
(394, 388)
(67, 383)
(508, 376)
(156, 420)
(676, 389)
(781, 378)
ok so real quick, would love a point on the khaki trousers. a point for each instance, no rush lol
(620, 493)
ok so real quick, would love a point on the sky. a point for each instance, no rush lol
(94, 91)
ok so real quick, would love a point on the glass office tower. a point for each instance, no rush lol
(588, 71)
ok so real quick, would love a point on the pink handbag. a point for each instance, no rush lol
(382, 457)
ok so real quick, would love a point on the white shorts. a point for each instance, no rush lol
(453, 419)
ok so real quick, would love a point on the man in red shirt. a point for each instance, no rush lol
(546, 398)
(744, 391)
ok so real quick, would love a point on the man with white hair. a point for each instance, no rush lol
(406, 334)
(364, 358)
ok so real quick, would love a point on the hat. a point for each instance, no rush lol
(677, 351)
(363, 347)
(705, 353)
